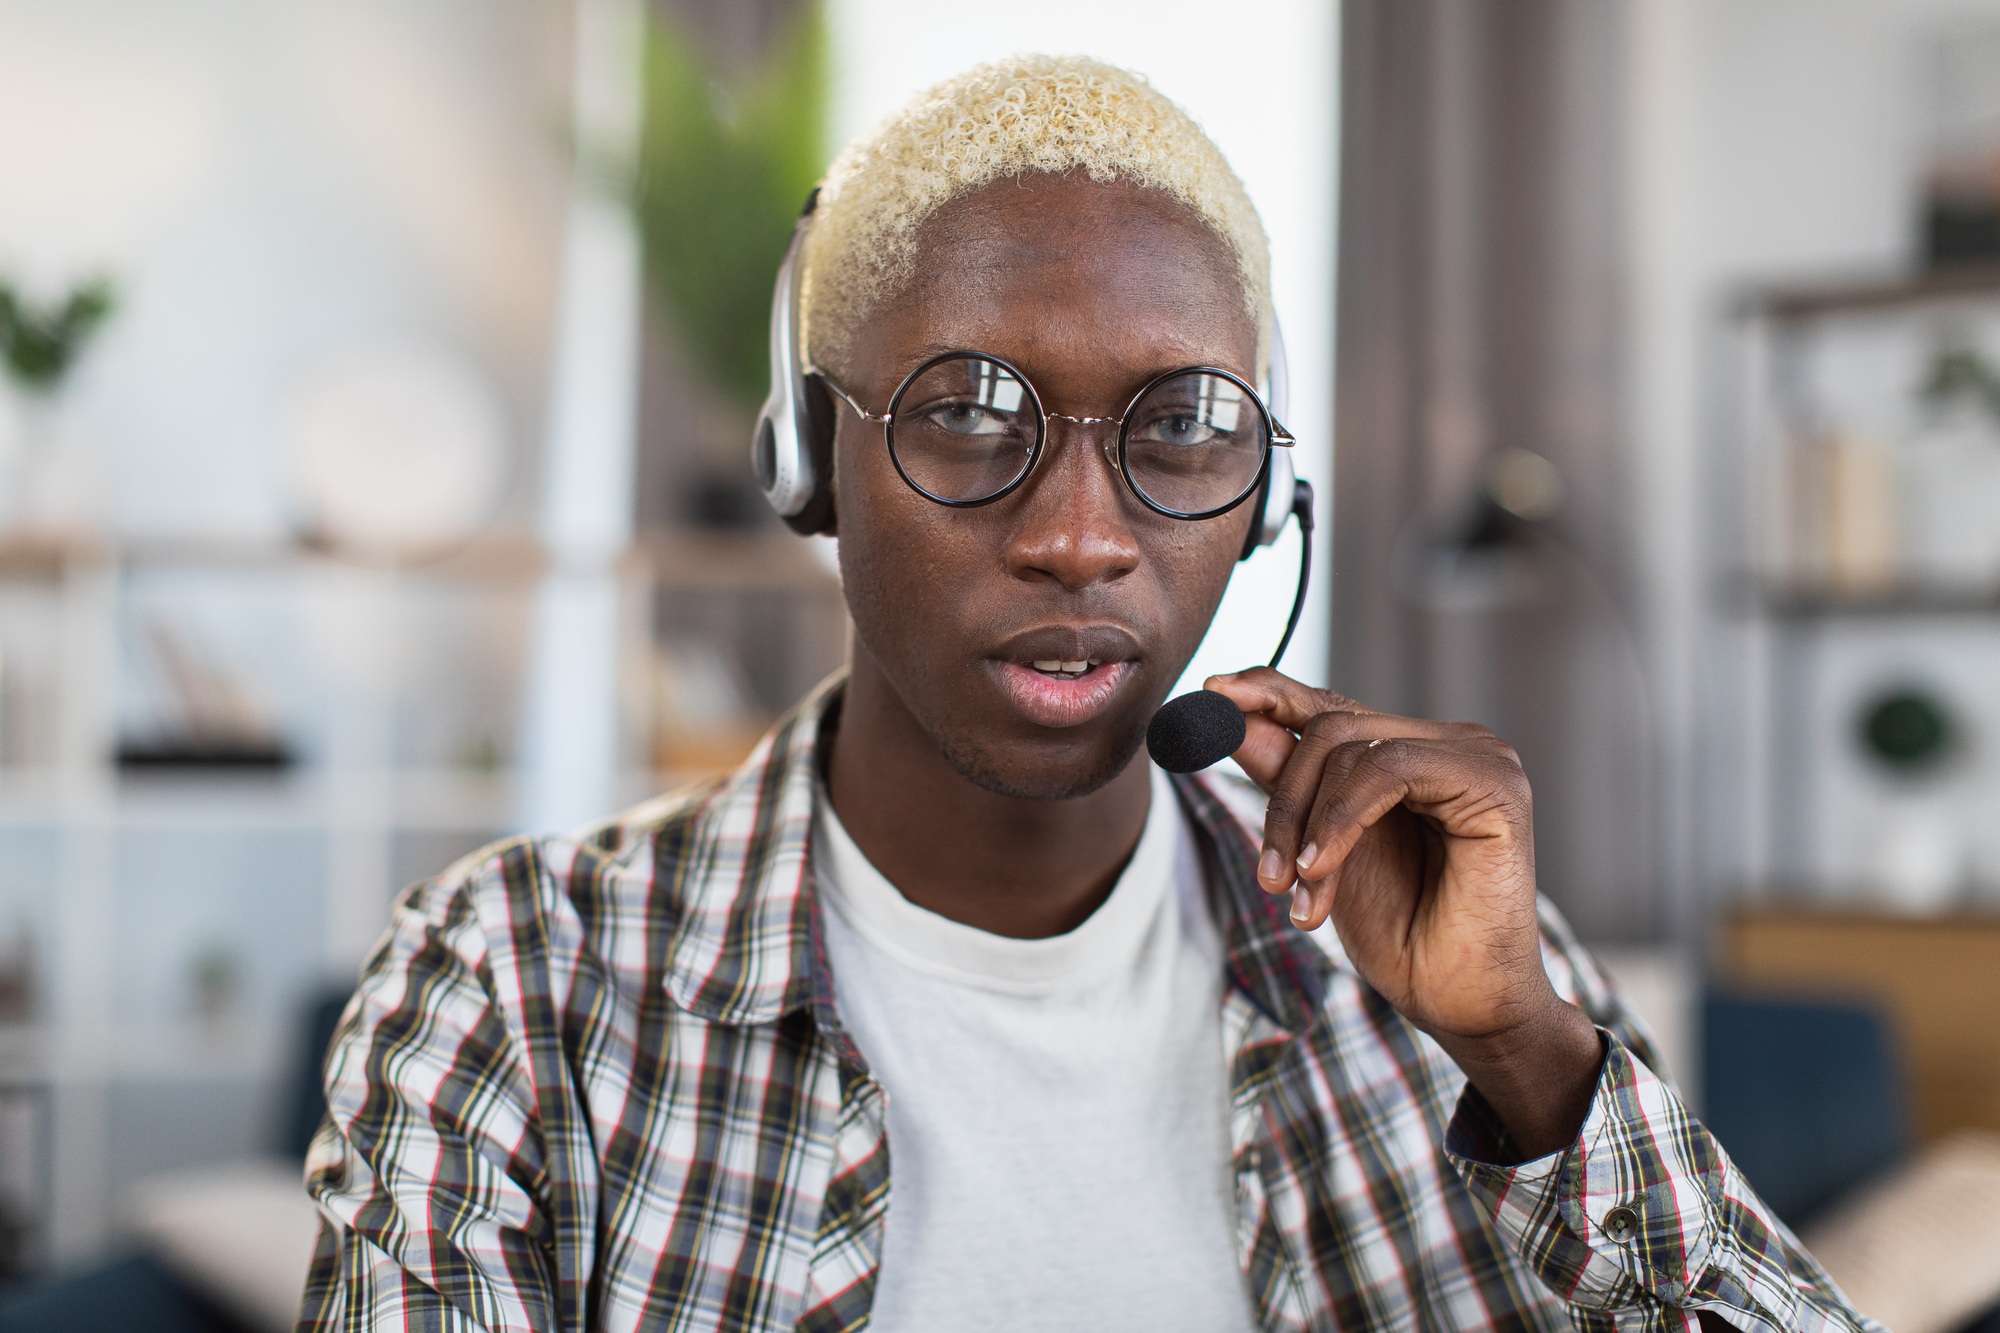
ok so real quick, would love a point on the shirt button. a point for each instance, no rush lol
(1621, 1224)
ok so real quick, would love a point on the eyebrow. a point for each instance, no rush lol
(935, 349)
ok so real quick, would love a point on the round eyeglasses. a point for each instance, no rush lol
(965, 429)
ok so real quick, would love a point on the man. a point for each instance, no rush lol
(948, 1012)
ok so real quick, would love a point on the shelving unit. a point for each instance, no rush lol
(1828, 591)
(123, 879)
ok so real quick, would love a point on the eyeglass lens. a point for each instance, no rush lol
(964, 430)
(1195, 443)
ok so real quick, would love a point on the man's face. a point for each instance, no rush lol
(1090, 289)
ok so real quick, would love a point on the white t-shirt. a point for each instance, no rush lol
(1058, 1108)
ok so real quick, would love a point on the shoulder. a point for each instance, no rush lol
(698, 896)
(543, 906)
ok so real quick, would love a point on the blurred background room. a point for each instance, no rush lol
(376, 383)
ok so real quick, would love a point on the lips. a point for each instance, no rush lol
(1065, 675)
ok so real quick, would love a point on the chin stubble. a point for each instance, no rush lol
(980, 766)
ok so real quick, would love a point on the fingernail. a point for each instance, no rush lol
(1308, 856)
(1302, 904)
(1272, 865)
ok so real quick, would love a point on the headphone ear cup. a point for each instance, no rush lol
(1276, 483)
(816, 424)
(1273, 503)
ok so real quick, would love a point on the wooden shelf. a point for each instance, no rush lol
(727, 561)
(1883, 294)
(496, 557)
(499, 557)
(417, 800)
(1804, 603)
(46, 559)
(37, 1052)
(760, 558)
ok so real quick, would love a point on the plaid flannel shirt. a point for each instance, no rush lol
(601, 1083)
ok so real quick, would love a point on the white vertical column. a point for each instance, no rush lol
(1663, 374)
(357, 613)
(83, 966)
(569, 735)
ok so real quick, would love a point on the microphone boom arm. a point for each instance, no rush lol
(1302, 510)
(1202, 727)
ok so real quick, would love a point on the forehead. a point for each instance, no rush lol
(1066, 275)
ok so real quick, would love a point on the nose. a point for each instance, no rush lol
(1072, 528)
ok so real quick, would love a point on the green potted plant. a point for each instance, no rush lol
(725, 164)
(46, 486)
(1949, 470)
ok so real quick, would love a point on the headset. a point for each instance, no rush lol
(792, 453)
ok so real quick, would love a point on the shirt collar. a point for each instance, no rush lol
(745, 945)
(1275, 964)
(741, 943)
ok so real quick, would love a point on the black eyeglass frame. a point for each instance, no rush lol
(1275, 435)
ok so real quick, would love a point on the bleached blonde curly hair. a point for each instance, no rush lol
(1017, 116)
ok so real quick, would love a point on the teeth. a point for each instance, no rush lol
(1057, 667)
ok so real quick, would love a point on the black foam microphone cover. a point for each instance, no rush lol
(1196, 730)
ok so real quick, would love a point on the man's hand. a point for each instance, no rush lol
(1417, 838)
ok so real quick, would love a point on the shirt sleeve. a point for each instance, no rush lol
(1643, 1222)
(353, 1285)
(427, 1169)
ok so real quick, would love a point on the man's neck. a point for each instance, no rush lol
(1003, 864)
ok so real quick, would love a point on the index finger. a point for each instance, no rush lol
(1277, 696)
(1265, 694)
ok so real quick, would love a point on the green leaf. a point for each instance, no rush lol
(724, 168)
(40, 346)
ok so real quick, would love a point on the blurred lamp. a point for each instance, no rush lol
(1524, 483)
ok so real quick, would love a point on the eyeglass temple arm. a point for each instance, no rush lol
(1302, 510)
(843, 395)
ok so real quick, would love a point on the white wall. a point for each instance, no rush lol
(1261, 77)
(267, 183)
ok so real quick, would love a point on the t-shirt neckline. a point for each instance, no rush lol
(918, 938)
